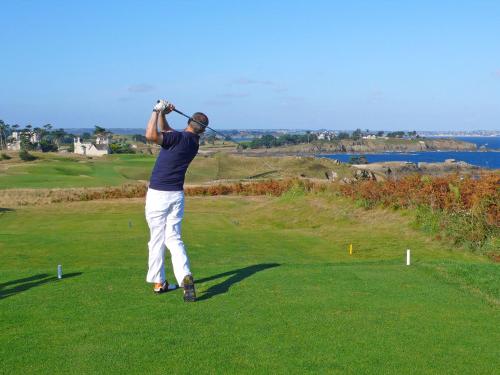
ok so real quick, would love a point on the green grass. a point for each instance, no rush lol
(54, 171)
(278, 292)
(63, 172)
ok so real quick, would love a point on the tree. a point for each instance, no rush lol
(267, 141)
(356, 134)
(398, 134)
(343, 135)
(380, 133)
(46, 129)
(25, 139)
(58, 135)
(48, 146)
(99, 130)
(4, 129)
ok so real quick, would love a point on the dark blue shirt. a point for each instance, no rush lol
(177, 151)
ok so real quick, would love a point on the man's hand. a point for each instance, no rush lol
(160, 105)
(170, 107)
(164, 106)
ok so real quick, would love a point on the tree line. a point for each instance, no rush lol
(269, 140)
(47, 138)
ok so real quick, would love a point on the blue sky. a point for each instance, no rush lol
(424, 65)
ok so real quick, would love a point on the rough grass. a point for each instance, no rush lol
(279, 292)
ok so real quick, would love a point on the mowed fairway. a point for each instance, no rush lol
(278, 293)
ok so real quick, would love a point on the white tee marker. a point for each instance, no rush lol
(407, 257)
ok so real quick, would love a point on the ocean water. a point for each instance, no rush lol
(489, 142)
(486, 159)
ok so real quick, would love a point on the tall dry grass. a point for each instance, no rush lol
(462, 208)
(23, 197)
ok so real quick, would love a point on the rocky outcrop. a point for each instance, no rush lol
(397, 145)
(396, 169)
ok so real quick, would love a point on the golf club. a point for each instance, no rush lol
(199, 123)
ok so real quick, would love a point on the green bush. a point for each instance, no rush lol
(48, 146)
(462, 227)
(4, 156)
(26, 156)
(121, 148)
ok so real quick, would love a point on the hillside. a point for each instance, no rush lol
(371, 145)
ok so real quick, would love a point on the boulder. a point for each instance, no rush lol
(331, 175)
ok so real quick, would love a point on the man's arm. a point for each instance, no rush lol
(158, 115)
(162, 120)
(152, 133)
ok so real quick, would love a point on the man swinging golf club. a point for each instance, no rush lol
(165, 196)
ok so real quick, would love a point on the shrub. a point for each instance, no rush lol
(4, 156)
(121, 148)
(48, 146)
(464, 209)
(26, 156)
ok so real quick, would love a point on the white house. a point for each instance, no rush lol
(99, 148)
(34, 137)
(15, 144)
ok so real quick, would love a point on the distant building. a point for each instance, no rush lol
(325, 135)
(99, 148)
(15, 144)
(370, 136)
(34, 137)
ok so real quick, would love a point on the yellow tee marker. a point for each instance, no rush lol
(350, 249)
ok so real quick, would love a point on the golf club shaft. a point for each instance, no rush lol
(199, 123)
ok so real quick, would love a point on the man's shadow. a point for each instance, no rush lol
(21, 285)
(237, 276)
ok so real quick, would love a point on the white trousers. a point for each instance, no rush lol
(164, 212)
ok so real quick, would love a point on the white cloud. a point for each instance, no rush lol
(235, 95)
(140, 88)
(248, 81)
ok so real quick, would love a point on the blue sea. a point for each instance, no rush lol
(491, 143)
(484, 159)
